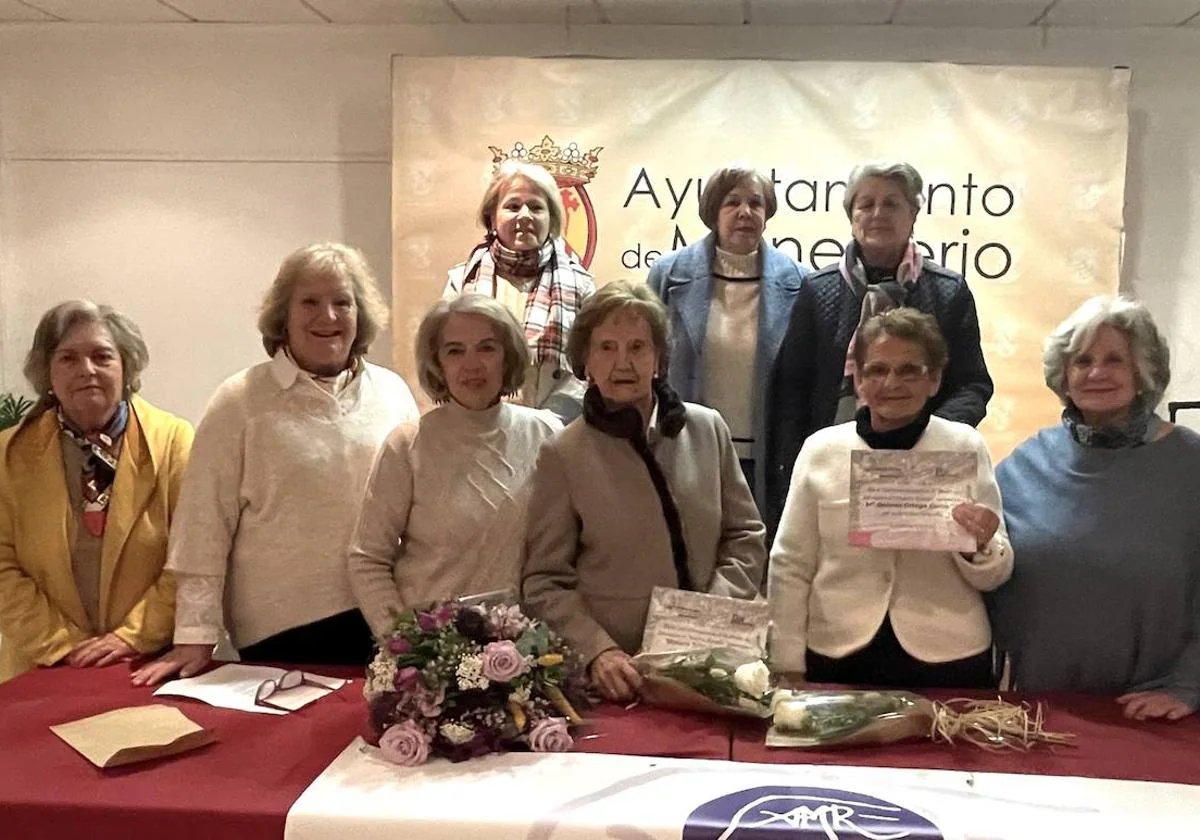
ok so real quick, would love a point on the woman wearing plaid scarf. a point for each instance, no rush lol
(88, 486)
(524, 263)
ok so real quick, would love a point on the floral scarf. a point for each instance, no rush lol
(878, 292)
(100, 450)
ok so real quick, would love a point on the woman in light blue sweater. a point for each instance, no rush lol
(1101, 511)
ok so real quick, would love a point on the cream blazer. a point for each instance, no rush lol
(832, 597)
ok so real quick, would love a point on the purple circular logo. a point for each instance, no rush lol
(772, 813)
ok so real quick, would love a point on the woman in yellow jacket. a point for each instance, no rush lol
(88, 484)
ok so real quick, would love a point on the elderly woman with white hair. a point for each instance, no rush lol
(88, 488)
(444, 510)
(881, 268)
(1101, 510)
(729, 295)
(281, 460)
(524, 262)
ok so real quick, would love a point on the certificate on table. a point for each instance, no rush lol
(903, 499)
(679, 620)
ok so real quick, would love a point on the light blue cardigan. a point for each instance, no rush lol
(683, 280)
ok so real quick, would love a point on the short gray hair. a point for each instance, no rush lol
(725, 179)
(60, 320)
(1151, 356)
(329, 259)
(507, 174)
(904, 174)
(429, 340)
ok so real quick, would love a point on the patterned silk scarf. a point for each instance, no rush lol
(100, 451)
(878, 293)
(1140, 427)
(556, 293)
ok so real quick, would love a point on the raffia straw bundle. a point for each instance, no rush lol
(993, 724)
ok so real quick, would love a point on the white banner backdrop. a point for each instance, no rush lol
(609, 797)
(1024, 171)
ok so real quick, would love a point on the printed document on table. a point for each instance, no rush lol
(254, 688)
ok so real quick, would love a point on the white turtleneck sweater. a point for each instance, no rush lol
(270, 498)
(443, 514)
(731, 344)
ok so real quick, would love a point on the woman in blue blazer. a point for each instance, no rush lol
(730, 296)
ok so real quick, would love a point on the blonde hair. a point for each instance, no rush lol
(507, 174)
(324, 259)
(620, 295)
(429, 341)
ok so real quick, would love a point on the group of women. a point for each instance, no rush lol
(317, 503)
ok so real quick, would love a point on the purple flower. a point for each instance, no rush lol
(502, 662)
(405, 744)
(550, 735)
(398, 646)
(407, 679)
(436, 618)
(429, 703)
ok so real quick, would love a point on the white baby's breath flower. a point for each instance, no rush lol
(456, 733)
(521, 695)
(381, 676)
(753, 678)
(470, 672)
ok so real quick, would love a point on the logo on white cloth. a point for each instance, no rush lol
(771, 813)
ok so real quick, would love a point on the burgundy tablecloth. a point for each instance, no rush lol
(241, 786)
(1107, 746)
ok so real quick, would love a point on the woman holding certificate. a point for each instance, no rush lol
(846, 612)
(1105, 596)
(644, 490)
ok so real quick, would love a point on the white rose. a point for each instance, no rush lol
(753, 678)
(791, 716)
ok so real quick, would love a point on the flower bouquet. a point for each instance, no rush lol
(824, 719)
(704, 653)
(714, 680)
(460, 680)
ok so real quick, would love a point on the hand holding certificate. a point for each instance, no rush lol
(904, 499)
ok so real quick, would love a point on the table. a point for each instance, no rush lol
(244, 784)
(241, 786)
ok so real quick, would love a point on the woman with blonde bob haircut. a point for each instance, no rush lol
(281, 459)
(643, 491)
(1105, 595)
(444, 510)
(89, 482)
(525, 264)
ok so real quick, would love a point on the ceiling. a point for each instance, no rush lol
(999, 14)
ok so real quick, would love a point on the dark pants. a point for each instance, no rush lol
(884, 663)
(342, 639)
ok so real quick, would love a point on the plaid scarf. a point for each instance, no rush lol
(887, 292)
(559, 286)
(100, 450)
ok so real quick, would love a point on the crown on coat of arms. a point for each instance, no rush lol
(567, 164)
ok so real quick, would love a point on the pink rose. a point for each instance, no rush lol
(399, 645)
(406, 679)
(502, 662)
(405, 744)
(550, 735)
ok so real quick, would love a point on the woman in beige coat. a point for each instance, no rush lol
(644, 490)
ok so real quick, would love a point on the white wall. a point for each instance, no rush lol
(167, 169)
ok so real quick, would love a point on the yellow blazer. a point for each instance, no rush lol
(41, 615)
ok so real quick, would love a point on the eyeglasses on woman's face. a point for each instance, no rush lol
(905, 372)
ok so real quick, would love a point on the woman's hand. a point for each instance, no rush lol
(185, 660)
(980, 522)
(100, 651)
(613, 673)
(1147, 705)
